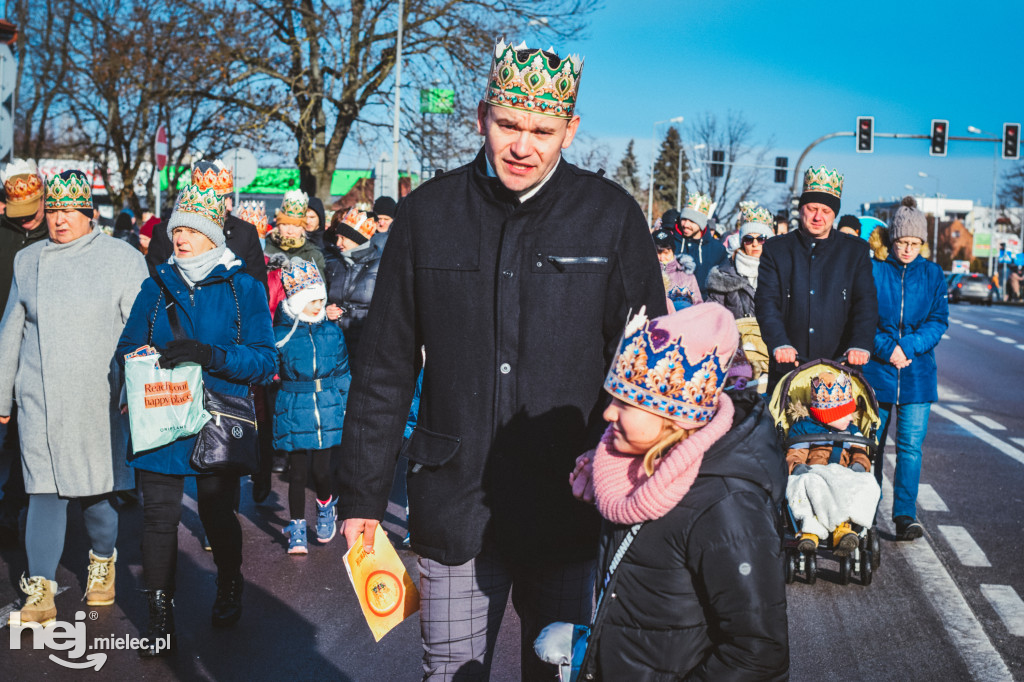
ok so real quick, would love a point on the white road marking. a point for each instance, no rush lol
(890, 443)
(979, 433)
(966, 549)
(891, 458)
(1018, 441)
(1020, 345)
(959, 408)
(986, 332)
(1006, 339)
(968, 325)
(1006, 320)
(955, 320)
(929, 499)
(945, 336)
(1008, 605)
(975, 648)
(990, 423)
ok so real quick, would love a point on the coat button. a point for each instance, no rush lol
(505, 368)
(811, 330)
(507, 274)
(812, 292)
(614, 595)
(539, 264)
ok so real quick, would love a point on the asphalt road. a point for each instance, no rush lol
(947, 606)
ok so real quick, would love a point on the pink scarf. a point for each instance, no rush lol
(626, 494)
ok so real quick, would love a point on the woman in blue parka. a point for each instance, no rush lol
(310, 408)
(913, 314)
(223, 312)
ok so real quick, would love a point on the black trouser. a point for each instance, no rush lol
(298, 475)
(161, 495)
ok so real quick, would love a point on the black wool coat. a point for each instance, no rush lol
(520, 307)
(240, 235)
(14, 238)
(350, 284)
(817, 295)
(700, 594)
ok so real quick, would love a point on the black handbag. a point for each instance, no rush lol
(228, 443)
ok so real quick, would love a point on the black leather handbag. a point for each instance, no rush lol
(228, 443)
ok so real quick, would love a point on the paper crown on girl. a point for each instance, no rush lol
(293, 208)
(531, 80)
(823, 180)
(675, 366)
(24, 187)
(360, 222)
(756, 214)
(68, 190)
(255, 212)
(213, 175)
(300, 274)
(831, 396)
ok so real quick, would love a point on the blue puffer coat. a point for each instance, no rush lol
(207, 313)
(306, 418)
(913, 311)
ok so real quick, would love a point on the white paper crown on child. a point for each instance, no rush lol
(255, 212)
(293, 208)
(213, 175)
(831, 396)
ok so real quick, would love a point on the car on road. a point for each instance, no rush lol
(974, 287)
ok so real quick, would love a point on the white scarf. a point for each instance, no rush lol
(747, 267)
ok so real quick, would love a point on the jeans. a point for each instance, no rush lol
(47, 525)
(911, 427)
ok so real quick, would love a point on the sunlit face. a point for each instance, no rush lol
(781, 227)
(691, 230)
(817, 219)
(384, 223)
(346, 243)
(907, 249)
(312, 220)
(841, 423)
(67, 225)
(313, 308)
(290, 231)
(189, 243)
(523, 147)
(753, 244)
(635, 431)
(666, 255)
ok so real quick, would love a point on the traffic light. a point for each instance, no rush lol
(865, 134)
(1011, 140)
(794, 213)
(717, 163)
(940, 131)
(781, 168)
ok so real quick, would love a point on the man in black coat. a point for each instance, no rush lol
(515, 273)
(815, 293)
(240, 236)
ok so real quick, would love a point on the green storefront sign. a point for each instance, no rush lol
(437, 101)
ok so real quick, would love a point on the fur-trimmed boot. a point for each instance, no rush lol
(99, 588)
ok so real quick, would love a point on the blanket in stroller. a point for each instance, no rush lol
(830, 494)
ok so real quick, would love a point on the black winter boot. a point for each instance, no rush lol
(227, 607)
(161, 624)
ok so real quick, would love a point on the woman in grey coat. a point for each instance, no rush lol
(70, 297)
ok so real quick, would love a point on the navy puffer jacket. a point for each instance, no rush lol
(913, 311)
(306, 418)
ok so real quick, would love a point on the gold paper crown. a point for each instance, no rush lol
(215, 175)
(756, 214)
(360, 222)
(823, 180)
(531, 80)
(293, 208)
(69, 190)
(24, 187)
(698, 202)
(206, 203)
(255, 212)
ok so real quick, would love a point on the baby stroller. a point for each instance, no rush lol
(865, 559)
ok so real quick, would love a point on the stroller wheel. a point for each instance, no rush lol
(811, 567)
(790, 567)
(867, 568)
(845, 569)
(875, 547)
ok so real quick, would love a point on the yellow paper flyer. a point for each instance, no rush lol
(384, 588)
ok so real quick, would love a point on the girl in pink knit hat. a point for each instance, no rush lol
(689, 480)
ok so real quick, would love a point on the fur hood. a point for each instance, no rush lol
(687, 263)
(725, 279)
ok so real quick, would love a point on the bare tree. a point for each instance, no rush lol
(1011, 189)
(741, 179)
(314, 67)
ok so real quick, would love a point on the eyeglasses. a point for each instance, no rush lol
(908, 245)
(751, 238)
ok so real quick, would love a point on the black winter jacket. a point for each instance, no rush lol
(520, 307)
(240, 236)
(14, 238)
(350, 283)
(700, 594)
(731, 289)
(817, 295)
(707, 252)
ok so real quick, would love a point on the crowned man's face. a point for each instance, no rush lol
(523, 147)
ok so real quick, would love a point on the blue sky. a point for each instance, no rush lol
(800, 70)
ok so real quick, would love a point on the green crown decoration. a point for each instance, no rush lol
(206, 203)
(293, 208)
(530, 80)
(756, 214)
(822, 179)
(698, 202)
(70, 192)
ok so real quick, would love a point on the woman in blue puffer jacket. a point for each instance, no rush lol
(310, 408)
(913, 314)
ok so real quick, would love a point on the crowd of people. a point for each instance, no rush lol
(475, 343)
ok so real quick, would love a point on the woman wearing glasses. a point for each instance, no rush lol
(734, 282)
(913, 314)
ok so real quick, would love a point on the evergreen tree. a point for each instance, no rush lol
(628, 175)
(666, 172)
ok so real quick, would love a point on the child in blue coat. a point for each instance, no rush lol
(310, 407)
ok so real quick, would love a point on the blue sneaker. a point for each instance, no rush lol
(325, 517)
(296, 531)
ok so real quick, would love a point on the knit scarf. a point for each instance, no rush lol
(196, 268)
(747, 266)
(627, 495)
(286, 243)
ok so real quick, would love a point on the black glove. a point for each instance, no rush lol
(800, 468)
(185, 350)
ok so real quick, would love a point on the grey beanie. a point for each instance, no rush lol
(908, 221)
(696, 216)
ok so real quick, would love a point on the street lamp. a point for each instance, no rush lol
(679, 175)
(935, 232)
(654, 145)
(995, 157)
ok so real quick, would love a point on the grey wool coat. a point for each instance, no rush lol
(68, 305)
